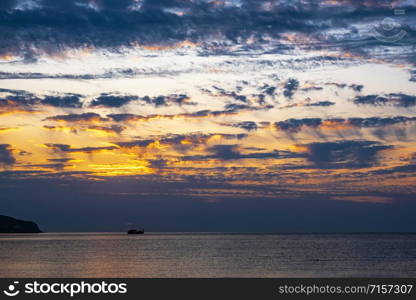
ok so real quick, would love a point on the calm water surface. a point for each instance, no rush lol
(207, 255)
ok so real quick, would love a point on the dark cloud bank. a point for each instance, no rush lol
(30, 27)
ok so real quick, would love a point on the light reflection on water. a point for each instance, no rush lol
(207, 255)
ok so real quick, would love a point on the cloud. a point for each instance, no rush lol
(135, 143)
(410, 168)
(26, 101)
(239, 97)
(113, 73)
(225, 152)
(357, 87)
(268, 90)
(296, 125)
(64, 148)
(320, 103)
(158, 163)
(230, 109)
(311, 88)
(235, 152)
(69, 101)
(77, 118)
(344, 154)
(60, 160)
(108, 100)
(396, 99)
(232, 152)
(173, 99)
(7, 4)
(160, 24)
(308, 103)
(108, 74)
(290, 87)
(54, 166)
(99, 130)
(221, 92)
(8, 129)
(354, 87)
(6, 155)
(112, 100)
(247, 125)
(113, 129)
(17, 101)
(365, 199)
(181, 142)
(413, 76)
(379, 122)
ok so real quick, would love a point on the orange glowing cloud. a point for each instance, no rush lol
(139, 167)
(7, 57)
(336, 125)
(16, 111)
(365, 199)
(8, 129)
(113, 130)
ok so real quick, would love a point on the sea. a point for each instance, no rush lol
(206, 255)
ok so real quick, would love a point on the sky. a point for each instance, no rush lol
(209, 115)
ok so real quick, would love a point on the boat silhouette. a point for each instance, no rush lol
(135, 231)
